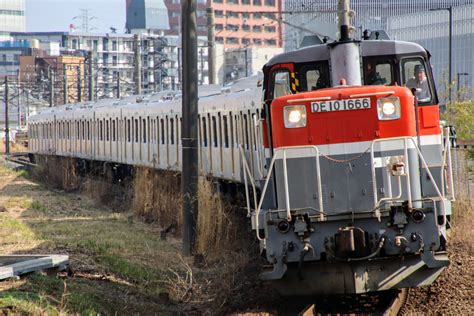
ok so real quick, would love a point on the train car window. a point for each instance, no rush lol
(231, 125)
(199, 130)
(179, 129)
(167, 131)
(162, 123)
(315, 77)
(220, 129)
(113, 130)
(246, 132)
(129, 138)
(281, 83)
(144, 130)
(148, 129)
(226, 131)
(107, 130)
(204, 131)
(214, 131)
(236, 129)
(415, 76)
(172, 131)
(136, 130)
(101, 130)
(378, 72)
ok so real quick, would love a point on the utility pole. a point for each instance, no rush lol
(118, 84)
(246, 62)
(450, 54)
(450, 9)
(51, 86)
(201, 55)
(189, 176)
(65, 85)
(180, 69)
(7, 127)
(211, 50)
(90, 57)
(79, 84)
(138, 65)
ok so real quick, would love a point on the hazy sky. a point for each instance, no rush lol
(57, 15)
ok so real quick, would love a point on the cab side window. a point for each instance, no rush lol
(281, 83)
(414, 76)
(378, 72)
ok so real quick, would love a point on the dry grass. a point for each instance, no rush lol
(59, 172)
(463, 208)
(119, 264)
(224, 279)
(14, 148)
(156, 196)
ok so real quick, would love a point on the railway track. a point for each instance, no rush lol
(388, 303)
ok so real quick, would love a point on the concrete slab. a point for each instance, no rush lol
(16, 265)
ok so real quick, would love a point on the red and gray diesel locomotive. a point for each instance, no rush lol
(346, 169)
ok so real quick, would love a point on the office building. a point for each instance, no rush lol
(12, 18)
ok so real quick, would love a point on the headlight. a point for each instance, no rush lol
(388, 108)
(294, 116)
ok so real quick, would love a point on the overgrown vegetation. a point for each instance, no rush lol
(120, 264)
(461, 116)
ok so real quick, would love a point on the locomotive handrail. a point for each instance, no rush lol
(405, 140)
(279, 153)
(447, 163)
(258, 147)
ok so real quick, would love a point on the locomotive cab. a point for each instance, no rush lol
(357, 188)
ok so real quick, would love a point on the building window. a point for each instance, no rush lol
(257, 2)
(219, 40)
(246, 28)
(219, 13)
(74, 44)
(257, 15)
(232, 40)
(270, 29)
(256, 28)
(232, 27)
(219, 27)
(96, 45)
(218, 1)
(246, 15)
(270, 2)
(233, 1)
(270, 42)
(114, 45)
(270, 15)
(246, 2)
(232, 14)
(246, 41)
(114, 60)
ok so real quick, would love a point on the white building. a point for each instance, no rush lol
(114, 57)
(12, 18)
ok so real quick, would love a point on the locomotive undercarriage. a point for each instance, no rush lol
(399, 243)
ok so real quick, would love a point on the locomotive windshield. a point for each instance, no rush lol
(414, 75)
(378, 72)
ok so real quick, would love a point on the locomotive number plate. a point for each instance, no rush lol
(340, 105)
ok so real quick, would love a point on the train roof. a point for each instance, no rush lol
(368, 48)
(245, 92)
